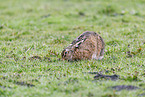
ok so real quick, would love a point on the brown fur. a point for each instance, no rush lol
(89, 45)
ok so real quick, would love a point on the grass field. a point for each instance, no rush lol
(34, 32)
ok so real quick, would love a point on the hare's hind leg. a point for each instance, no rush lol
(101, 54)
(98, 54)
(101, 47)
(94, 56)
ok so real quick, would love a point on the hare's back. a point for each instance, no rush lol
(84, 36)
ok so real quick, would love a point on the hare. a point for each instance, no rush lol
(89, 45)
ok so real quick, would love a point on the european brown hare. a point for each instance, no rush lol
(89, 45)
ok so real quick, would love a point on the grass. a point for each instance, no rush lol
(34, 32)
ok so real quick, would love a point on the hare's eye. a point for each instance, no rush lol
(65, 52)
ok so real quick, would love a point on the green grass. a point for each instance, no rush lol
(42, 28)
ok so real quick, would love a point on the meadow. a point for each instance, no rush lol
(33, 34)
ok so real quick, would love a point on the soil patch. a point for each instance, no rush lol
(125, 87)
(107, 77)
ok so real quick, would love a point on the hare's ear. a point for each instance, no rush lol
(79, 43)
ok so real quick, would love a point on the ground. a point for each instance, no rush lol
(34, 32)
